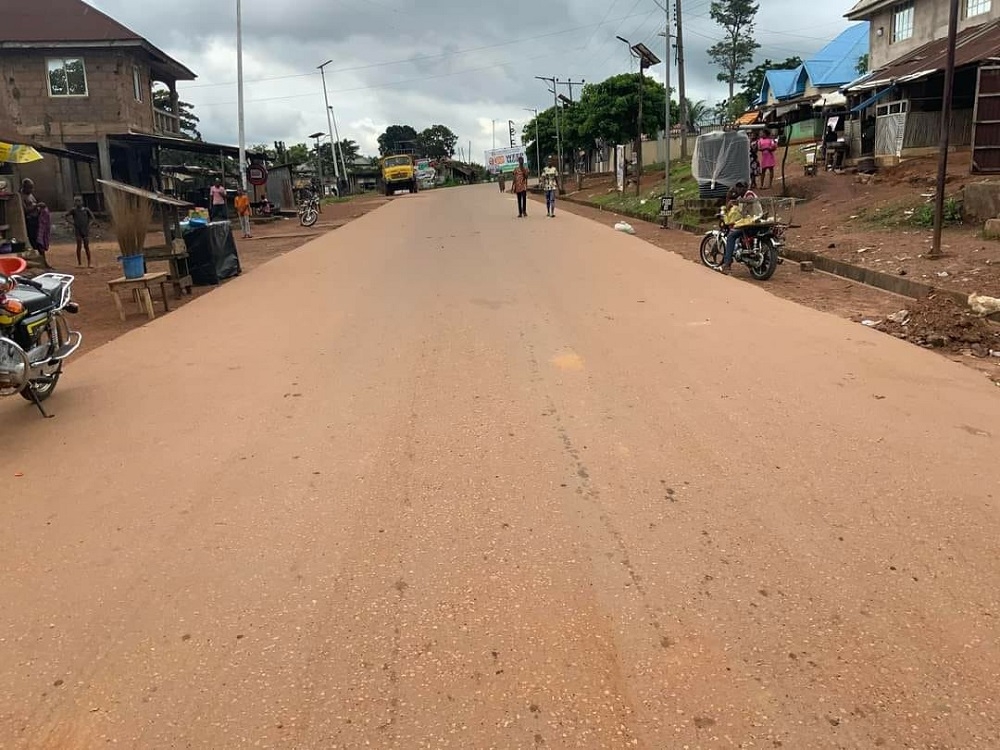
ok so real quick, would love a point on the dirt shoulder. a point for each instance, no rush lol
(98, 319)
(835, 295)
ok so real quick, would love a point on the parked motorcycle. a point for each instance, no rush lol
(309, 211)
(757, 249)
(35, 338)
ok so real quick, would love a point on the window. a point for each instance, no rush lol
(902, 21)
(137, 82)
(977, 7)
(67, 77)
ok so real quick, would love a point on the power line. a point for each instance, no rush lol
(418, 58)
(389, 84)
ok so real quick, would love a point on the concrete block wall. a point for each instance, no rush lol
(27, 108)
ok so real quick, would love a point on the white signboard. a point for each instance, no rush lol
(620, 166)
(503, 159)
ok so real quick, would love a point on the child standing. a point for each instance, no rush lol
(766, 147)
(242, 204)
(81, 218)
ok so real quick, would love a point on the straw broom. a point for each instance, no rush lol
(131, 216)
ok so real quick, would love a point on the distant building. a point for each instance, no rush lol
(73, 78)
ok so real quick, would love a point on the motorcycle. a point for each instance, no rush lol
(757, 249)
(35, 338)
(309, 211)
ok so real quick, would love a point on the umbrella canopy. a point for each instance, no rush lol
(17, 153)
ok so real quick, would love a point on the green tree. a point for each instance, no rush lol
(609, 110)
(437, 142)
(736, 50)
(863, 63)
(546, 137)
(753, 81)
(398, 139)
(188, 119)
(697, 113)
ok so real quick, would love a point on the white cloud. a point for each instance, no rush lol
(463, 63)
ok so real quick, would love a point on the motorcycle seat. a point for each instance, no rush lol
(33, 300)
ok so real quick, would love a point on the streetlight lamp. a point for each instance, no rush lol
(538, 148)
(329, 122)
(646, 59)
(319, 160)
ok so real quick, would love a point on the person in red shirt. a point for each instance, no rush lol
(520, 187)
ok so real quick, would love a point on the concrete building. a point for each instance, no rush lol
(897, 105)
(73, 78)
(898, 28)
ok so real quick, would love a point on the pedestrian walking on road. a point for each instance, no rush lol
(242, 204)
(81, 218)
(502, 182)
(217, 202)
(550, 184)
(520, 187)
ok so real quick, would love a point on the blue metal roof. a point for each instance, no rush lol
(781, 83)
(833, 66)
(837, 63)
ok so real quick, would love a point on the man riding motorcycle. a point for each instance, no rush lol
(737, 220)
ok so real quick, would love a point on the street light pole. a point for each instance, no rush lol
(239, 96)
(329, 122)
(340, 148)
(666, 78)
(538, 148)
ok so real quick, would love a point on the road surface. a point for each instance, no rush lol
(444, 478)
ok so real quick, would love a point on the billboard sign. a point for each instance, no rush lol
(503, 159)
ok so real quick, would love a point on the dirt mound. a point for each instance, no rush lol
(939, 322)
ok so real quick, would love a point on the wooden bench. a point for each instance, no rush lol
(140, 289)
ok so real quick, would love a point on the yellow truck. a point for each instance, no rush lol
(398, 173)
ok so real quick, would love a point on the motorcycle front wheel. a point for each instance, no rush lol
(712, 250)
(768, 264)
(308, 217)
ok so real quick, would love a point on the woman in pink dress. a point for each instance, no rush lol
(766, 147)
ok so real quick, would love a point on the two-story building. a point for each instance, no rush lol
(71, 77)
(898, 104)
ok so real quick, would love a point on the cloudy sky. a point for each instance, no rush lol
(461, 63)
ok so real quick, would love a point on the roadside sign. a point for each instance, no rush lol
(666, 205)
(257, 175)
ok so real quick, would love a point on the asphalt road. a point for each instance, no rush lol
(444, 478)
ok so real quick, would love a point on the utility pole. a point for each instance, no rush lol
(570, 83)
(538, 148)
(510, 126)
(681, 93)
(329, 125)
(239, 97)
(319, 158)
(494, 135)
(666, 106)
(555, 103)
(942, 176)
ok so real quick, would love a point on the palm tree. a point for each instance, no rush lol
(697, 112)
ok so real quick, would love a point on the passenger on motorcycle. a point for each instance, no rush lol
(735, 219)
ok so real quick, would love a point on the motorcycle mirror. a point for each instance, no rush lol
(7, 283)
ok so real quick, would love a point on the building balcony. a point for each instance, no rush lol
(166, 123)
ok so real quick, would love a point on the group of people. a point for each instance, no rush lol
(38, 224)
(762, 159)
(549, 180)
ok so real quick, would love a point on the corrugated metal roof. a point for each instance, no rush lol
(781, 83)
(61, 22)
(974, 45)
(837, 63)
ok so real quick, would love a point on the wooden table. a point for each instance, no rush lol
(180, 274)
(140, 290)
